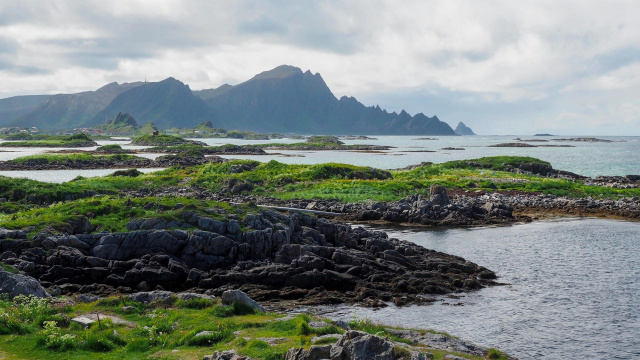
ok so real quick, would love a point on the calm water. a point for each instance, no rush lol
(621, 157)
(574, 289)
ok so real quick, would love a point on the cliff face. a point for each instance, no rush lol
(462, 129)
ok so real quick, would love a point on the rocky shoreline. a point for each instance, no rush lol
(285, 259)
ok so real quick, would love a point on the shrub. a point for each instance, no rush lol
(53, 339)
(138, 345)
(233, 309)
(98, 343)
(10, 325)
(195, 303)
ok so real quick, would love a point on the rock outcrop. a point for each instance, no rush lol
(354, 345)
(278, 258)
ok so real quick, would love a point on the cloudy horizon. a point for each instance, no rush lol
(501, 67)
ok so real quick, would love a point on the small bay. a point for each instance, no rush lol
(572, 289)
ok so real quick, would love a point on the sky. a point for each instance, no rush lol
(501, 67)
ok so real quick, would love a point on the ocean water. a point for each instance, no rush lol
(573, 285)
(619, 157)
(573, 289)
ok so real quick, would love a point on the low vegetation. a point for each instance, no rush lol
(70, 158)
(112, 214)
(34, 328)
(77, 140)
(160, 140)
(112, 149)
(324, 181)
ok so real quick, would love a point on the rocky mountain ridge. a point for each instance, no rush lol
(284, 99)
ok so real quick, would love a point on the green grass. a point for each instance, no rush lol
(323, 181)
(112, 149)
(71, 158)
(159, 140)
(77, 140)
(113, 213)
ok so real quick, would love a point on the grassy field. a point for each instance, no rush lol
(32, 328)
(324, 181)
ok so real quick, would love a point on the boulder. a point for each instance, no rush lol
(87, 320)
(237, 296)
(225, 355)
(17, 284)
(353, 345)
(147, 297)
(438, 195)
(315, 352)
(358, 345)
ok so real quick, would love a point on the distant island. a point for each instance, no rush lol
(463, 130)
(282, 100)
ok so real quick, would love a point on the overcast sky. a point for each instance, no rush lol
(502, 67)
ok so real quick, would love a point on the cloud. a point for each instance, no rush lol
(499, 65)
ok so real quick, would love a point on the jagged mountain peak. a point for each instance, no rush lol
(280, 72)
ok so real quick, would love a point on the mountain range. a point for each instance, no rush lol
(284, 99)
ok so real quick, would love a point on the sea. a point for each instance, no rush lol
(571, 286)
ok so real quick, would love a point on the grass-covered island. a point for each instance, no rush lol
(321, 143)
(26, 140)
(162, 140)
(100, 245)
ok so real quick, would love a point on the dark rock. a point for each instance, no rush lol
(151, 296)
(16, 284)
(438, 195)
